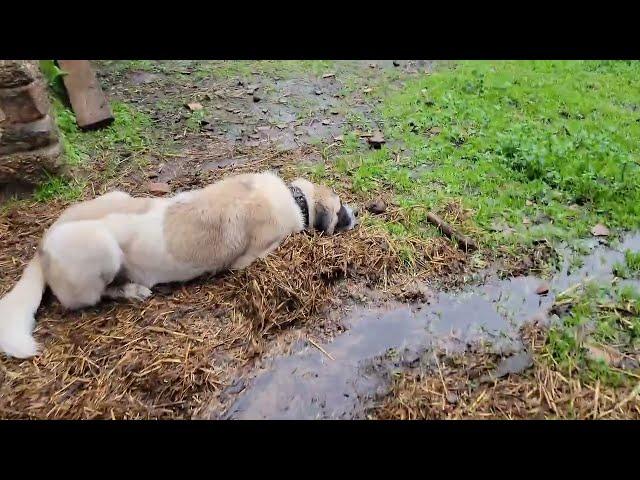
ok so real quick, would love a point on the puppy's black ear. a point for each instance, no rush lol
(322, 218)
(343, 218)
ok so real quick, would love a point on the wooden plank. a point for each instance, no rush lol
(87, 99)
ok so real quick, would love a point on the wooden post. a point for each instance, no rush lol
(87, 99)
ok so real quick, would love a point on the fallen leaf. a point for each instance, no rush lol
(158, 187)
(600, 230)
(596, 353)
(608, 354)
(376, 206)
(376, 140)
(194, 106)
(328, 75)
(542, 289)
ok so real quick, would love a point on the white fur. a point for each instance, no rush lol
(17, 313)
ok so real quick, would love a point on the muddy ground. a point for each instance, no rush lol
(337, 366)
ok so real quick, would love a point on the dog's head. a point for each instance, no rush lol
(327, 213)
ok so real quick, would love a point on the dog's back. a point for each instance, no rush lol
(100, 207)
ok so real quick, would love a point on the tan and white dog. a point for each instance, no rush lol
(118, 246)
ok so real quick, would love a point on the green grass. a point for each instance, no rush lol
(194, 122)
(631, 266)
(59, 188)
(536, 139)
(127, 136)
(129, 131)
(632, 260)
(610, 316)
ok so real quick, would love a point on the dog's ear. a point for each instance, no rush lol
(343, 218)
(322, 220)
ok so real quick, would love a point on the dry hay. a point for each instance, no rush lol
(169, 356)
(453, 390)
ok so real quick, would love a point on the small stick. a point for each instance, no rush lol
(568, 290)
(450, 232)
(444, 385)
(321, 349)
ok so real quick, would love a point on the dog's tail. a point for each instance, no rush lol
(17, 312)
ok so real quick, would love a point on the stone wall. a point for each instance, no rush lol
(29, 142)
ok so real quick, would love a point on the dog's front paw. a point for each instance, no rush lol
(136, 292)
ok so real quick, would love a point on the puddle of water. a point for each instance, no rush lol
(310, 385)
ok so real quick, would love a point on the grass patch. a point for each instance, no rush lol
(129, 132)
(631, 266)
(548, 148)
(116, 144)
(632, 260)
(194, 122)
(59, 188)
(601, 329)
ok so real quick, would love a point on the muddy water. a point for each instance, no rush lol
(310, 385)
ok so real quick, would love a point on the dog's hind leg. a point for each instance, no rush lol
(80, 260)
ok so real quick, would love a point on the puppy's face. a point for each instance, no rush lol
(330, 214)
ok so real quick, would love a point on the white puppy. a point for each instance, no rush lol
(118, 246)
